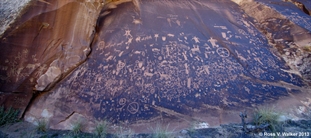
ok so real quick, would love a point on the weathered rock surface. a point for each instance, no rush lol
(44, 45)
(149, 60)
(9, 11)
(286, 31)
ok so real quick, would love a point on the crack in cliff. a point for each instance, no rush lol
(278, 84)
(72, 113)
(77, 65)
(63, 75)
(12, 92)
(94, 36)
(32, 99)
(173, 113)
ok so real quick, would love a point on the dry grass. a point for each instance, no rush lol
(42, 125)
(307, 48)
(161, 131)
(77, 128)
(124, 133)
(101, 129)
(267, 115)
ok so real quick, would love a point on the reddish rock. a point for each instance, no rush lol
(44, 45)
(148, 61)
(174, 62)
(9, 11)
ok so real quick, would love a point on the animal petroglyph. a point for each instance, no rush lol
(138, 39)
(170, 35)
(221, 27)
(129, 41)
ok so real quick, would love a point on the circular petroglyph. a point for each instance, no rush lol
(133, 107)
(122, 101)
(159, 58)
(223, 52)
(272, 77)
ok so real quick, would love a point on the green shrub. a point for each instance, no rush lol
(77, 128)
(42, 125)
(267, 116)
(101, 129)
(8, 116)
(192, 129)
(162, 132)
(124, 133)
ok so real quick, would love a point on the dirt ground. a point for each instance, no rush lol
(301, 128)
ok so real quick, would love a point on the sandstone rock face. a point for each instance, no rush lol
(181, 61)
(44, 45)
(289, 33)
(9, 10)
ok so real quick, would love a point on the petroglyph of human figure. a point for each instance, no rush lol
(156, 36)
(213, 42)
(196, 39)
(34, 58)
(169, 21)
(128, 34)
(178, 22)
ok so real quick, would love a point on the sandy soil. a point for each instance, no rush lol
(301, 128)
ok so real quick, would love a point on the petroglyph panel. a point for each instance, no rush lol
(174, 61)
